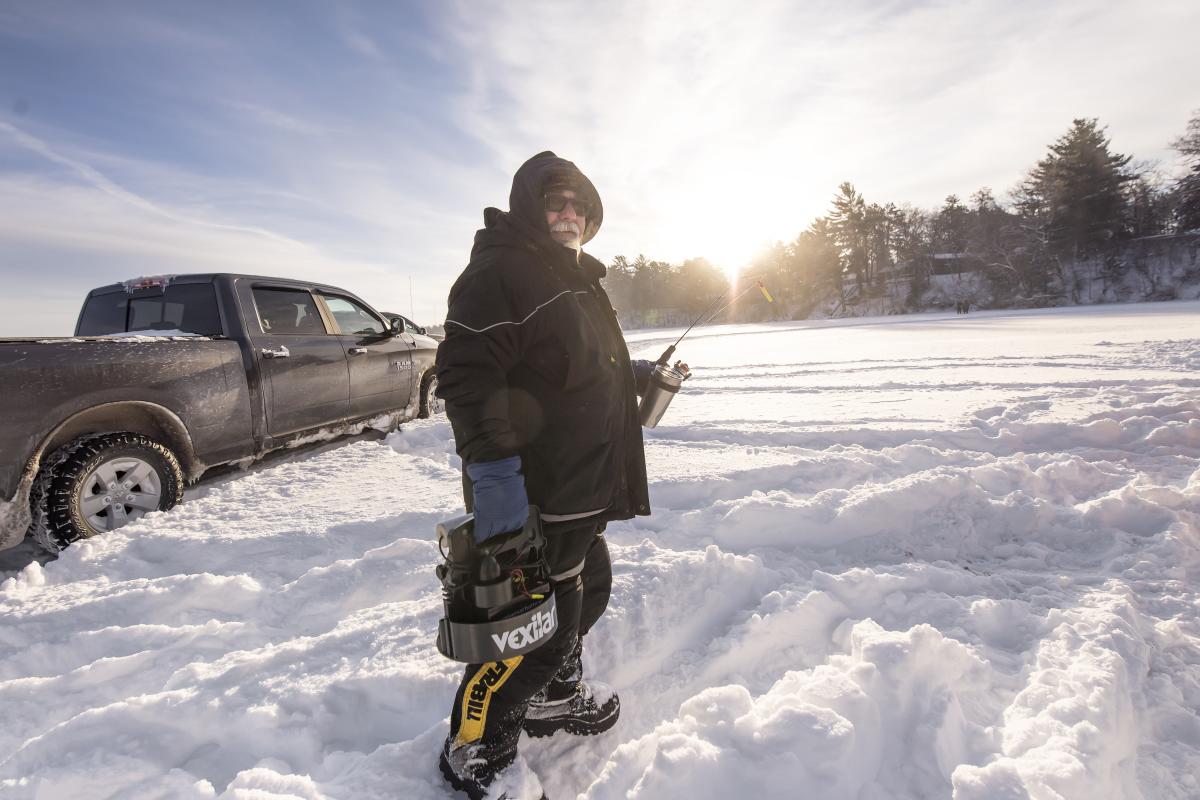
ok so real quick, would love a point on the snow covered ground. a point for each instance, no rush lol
(915, 557)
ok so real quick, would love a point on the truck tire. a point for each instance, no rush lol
(99, 483)
(430, 403)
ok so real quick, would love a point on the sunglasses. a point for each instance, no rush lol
(557, 202)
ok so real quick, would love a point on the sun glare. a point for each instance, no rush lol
(716, 223)
(724, 251)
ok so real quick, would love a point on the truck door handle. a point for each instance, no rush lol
(357, 351)
(282, 352)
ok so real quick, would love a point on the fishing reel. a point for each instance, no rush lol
(497, 595)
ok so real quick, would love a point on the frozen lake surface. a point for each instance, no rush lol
(902, 558)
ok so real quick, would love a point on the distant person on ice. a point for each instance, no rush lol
(541, 394)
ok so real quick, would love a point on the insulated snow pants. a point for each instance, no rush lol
(489, 707)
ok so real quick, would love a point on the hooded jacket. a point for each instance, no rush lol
(534, 363)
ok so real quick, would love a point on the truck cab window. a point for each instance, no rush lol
(287, 311)
(186, 307)
(103, 314)
(352, 318)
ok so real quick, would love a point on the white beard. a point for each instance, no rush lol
(566, 226)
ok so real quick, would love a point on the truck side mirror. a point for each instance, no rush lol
(396, 327)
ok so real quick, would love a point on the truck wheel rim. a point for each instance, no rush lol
(119, 491)
(434, 403)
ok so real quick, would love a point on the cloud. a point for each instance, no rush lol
(363, 44)
(99, 181)
(277, 119)
(78, 220)
(712, 128)
(357, 145)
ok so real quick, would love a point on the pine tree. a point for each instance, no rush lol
(951, 227)
(911, 242)
(1187, 189)
(996, 237)
(644, 298)
(989, 225)
(1075, 195)
(818, 260)
(776, 266)
(1148, 207)
(697, 286)
(878, 234)
(618, 282)
(848, 220)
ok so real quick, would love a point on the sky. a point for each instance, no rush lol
(357, 143)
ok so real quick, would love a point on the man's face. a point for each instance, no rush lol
(567, 225)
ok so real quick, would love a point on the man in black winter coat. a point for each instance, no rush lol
(542, 397)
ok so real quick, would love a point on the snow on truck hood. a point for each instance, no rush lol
(914, 558)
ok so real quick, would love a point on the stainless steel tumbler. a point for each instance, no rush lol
(664, 385)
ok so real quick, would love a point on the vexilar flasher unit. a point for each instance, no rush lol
(497, 594)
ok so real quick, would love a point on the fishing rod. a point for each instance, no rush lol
(665, 380)
(666, 356)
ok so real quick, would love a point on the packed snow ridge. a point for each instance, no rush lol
(941, 557)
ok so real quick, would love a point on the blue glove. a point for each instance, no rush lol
(642, 370)
(501, 504)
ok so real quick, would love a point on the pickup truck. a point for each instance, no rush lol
(167, 377)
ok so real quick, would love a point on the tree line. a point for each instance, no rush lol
(1066, 225)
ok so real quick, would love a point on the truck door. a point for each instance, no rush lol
(380, 362)
(306, 375)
